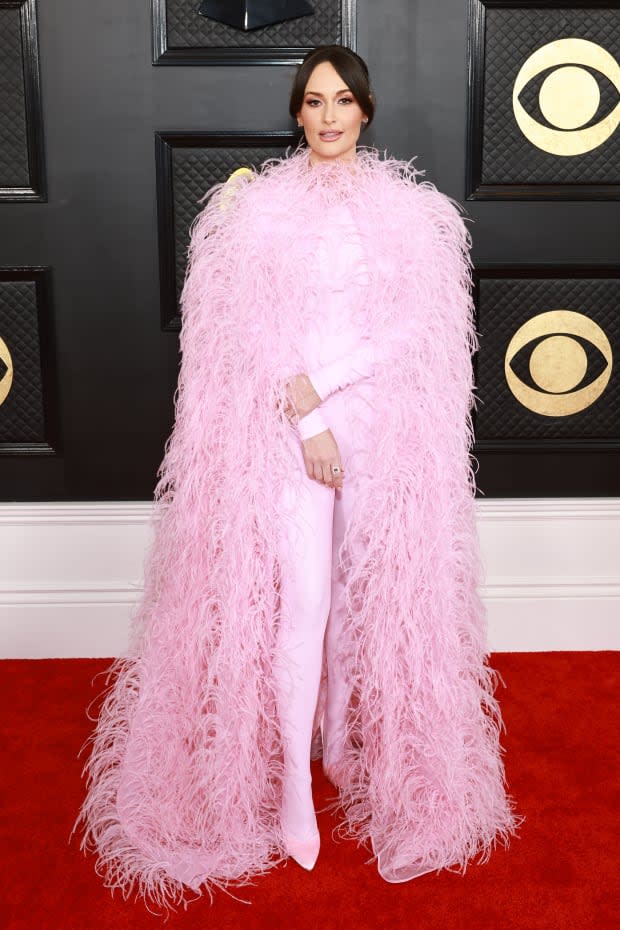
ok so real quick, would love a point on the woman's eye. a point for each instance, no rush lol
(311, 103)
(346, 100)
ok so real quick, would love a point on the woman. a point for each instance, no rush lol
(313, 575)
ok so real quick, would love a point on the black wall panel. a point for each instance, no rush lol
(28, 375)
(181, 35)
(528, 320)
(115, 365)
(21, 131)
(544, 93)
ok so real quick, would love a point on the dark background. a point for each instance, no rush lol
(102, 103)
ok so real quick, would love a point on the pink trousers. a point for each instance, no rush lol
(312, 612)
(312, 605)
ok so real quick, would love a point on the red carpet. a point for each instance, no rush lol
(561, 715)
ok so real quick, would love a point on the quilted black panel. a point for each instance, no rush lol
(512, 35)
(504, 305)
(22, 413)
(14, 170)
(187, 29)
(195, 170)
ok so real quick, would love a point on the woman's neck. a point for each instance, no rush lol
(349, 161)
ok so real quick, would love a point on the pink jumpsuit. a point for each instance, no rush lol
(340, 366)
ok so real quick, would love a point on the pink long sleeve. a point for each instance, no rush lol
(339, 300)
(344, 371)
(312, 424)
(333, 377)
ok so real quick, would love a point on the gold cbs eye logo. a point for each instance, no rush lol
(6, 378)
(569, 97)
(558, 363)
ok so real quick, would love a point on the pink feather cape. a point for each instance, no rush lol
(184, 774)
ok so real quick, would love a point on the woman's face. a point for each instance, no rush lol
(330, 115)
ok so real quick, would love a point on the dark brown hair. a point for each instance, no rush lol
(351, 68)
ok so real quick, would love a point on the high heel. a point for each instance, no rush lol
(304, 852)
(300, 832)
(400, 870)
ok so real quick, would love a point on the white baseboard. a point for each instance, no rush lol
(70, 573)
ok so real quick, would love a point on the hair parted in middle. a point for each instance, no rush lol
(350, 66)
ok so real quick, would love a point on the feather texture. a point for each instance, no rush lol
(184, 774)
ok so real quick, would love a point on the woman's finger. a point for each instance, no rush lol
(313, 467)
(321, 456)
(330, 477)
(308, 464)
(338, 475)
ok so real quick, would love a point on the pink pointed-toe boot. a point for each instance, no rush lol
(298, 820)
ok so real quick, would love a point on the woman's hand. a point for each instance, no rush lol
(302, 396)
(320, 453)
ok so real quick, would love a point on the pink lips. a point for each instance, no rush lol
(330, 136)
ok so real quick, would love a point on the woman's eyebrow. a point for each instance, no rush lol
(315, 93)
